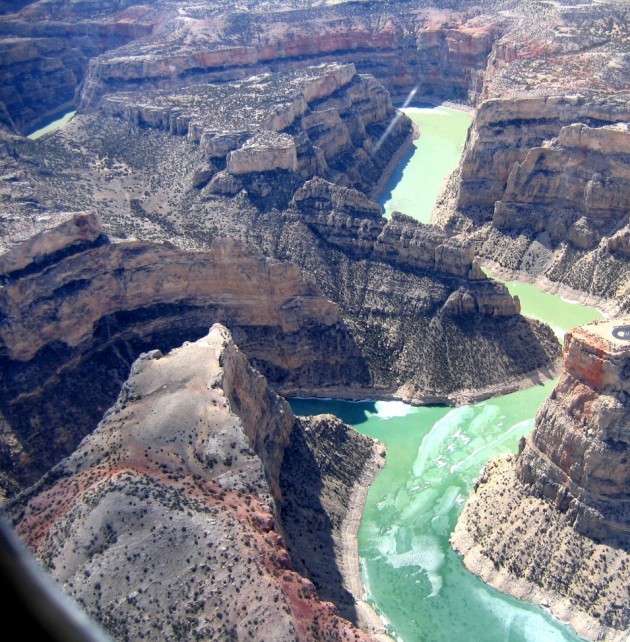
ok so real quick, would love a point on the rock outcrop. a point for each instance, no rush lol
(324, 121)
(577, 457)
(532, 68)
(77, 309)
(552, 524)
(438, 51)
(162, 523)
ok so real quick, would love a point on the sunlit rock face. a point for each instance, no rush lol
(578, 454)
(165, 521)
(552, 524)
(324, 120)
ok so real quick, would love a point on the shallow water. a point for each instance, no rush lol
(414, 187)
(434, 454)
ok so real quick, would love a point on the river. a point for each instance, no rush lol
(52, 126)
(412, 577)
(417, 181)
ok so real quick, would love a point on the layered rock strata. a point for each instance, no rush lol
(437, 51)
(46, 49)
(552, 524)
(429, 48)
(406, 291)
(77, 309)
(533, 68)
(319, 121)
(162, 523)
(546, 165)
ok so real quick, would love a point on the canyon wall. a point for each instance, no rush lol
(436, 51)
(432, 50)
(542, 183)
(547, 179)
(76, 307)
(551, 524)
(177, 482)
(406, 291)
(76, 311)
(46, 49)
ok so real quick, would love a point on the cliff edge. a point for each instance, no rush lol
(552, 525)
(165, 522)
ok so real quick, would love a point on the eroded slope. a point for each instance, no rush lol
(551, 525)
(162, 524)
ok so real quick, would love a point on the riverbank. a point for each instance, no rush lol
(395, 160)
(606, 307)
(533, 378)
(367, 618)
(415, 398)
(400, 101)
(498, 498)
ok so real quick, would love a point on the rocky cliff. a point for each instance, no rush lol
(162, 523)
(46, 49)
(324, 121)
(551, 525)
(77, 309)
(541, 185)
(406, 292)
(436, 49)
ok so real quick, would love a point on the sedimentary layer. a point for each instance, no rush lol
(77, 310)
(551, 525)
(164, 523)
(324, 121)
(46, 49)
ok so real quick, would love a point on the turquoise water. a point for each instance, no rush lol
(51, 127)
(545, 307)
(411, 575)
(414, 187)
(434, 454)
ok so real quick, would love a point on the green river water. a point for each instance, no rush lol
(52, 126)
(416, 183)
(412, 577)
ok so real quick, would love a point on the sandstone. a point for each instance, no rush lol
(578, 453)
(44, 60)
(551, 525)
(559, 183)
(150, 155)
(263, 153)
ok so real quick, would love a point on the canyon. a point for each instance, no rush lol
(220, 168)
(550, 524)
(190, 175)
